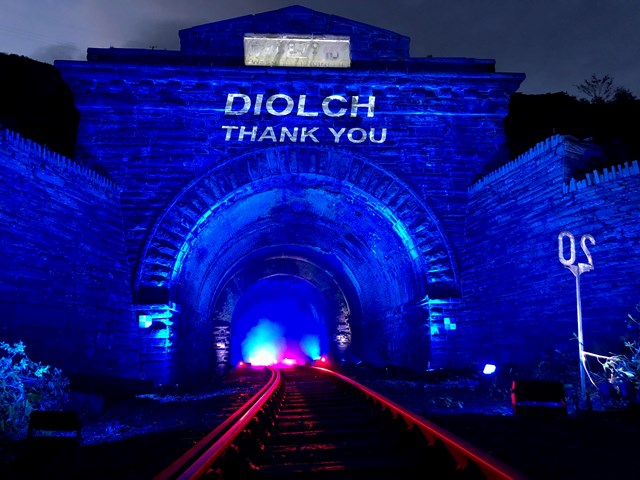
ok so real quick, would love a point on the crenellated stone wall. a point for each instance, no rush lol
(519, 300)
(64, 282)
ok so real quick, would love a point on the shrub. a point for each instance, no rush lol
(621, 372)
(25, 386)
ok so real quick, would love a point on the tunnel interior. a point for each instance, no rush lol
(281, 318)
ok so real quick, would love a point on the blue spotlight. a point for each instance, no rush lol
(310, 345)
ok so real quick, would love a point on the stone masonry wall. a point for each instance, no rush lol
(64, 282)
(520, 302)
(155, 128)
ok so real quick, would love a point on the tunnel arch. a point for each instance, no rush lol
(169, 238)
(351, 220)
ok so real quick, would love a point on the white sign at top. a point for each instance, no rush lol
(289, 50)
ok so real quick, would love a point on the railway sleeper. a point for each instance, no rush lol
(346, 450)
(369, 467)
(316, 422)
(293, 437)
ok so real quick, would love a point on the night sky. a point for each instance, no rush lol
(557, 43)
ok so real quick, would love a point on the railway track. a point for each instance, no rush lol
(311, 423)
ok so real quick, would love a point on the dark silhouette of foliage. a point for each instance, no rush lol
(623, 94)
(37, 103)
(613, 124)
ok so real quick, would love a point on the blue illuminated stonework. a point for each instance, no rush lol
(358, 190)
(520, 302)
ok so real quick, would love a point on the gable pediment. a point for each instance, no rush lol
(225, 38)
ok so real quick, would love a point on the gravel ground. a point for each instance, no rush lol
(137, 438)
(598, 444)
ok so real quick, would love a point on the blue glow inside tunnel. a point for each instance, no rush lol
(280, 319)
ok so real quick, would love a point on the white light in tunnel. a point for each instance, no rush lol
(264, 343)
(263, 356)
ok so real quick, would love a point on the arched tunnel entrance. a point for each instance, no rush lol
(302, 243)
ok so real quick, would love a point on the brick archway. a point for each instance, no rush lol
(169, 240)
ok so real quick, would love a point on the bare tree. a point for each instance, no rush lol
(597, 89)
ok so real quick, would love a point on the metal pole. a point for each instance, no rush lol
(583, 386)
(577, 270)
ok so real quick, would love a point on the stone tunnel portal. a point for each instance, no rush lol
(229, 182)
(300, 243)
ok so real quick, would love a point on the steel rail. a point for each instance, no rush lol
(197, 462)
(460, 450)
(199, 458)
